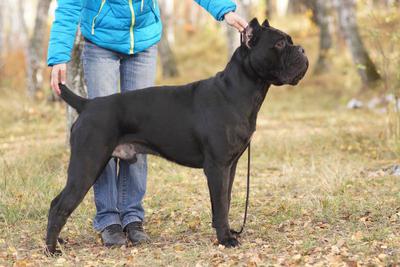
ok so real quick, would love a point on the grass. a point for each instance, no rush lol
(318, 192)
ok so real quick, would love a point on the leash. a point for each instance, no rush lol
(247, 195)
(248, 175)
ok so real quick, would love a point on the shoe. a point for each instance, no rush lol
(136, 233)
(113, 235)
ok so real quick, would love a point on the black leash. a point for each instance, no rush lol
(247, 194)
(248, 175)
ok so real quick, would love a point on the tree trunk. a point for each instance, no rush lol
(268, 9)
(243, 9)
(295, 7)
(168, 62)
(75, 79)
(348, 24)
(36, 48)
(2, 29)
(323, 20)
(282, 7)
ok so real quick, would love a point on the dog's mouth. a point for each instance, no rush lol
(300, 74)
(293, 72)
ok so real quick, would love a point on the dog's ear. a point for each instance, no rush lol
(251, 33)
(266, 23)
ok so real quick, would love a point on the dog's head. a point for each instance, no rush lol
(272, 54)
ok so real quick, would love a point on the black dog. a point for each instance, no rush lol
(206, 124)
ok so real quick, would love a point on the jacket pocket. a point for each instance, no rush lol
(103, 10)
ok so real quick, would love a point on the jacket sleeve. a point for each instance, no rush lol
(63, 31)
(217, 8)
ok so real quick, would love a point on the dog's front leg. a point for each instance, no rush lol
(218, 179)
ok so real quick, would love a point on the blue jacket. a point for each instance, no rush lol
(125, 26)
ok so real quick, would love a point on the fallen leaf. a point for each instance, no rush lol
(357, 236)
(382, 256)
(296, 257)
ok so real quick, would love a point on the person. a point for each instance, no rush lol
(119, 54)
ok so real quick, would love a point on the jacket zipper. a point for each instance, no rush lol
(98, 13)
(131, 28)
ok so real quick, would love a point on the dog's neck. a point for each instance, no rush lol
(241, 79)
(241, 64)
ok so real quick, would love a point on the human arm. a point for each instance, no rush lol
(236, 21)
(224, 9)
(62, 36)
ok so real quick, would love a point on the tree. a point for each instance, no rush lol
(35, 49)
(282, 7)
(268, 9)
(2, 29)
(168, 62)
(322, 18)
(75, 79)
(348, 24)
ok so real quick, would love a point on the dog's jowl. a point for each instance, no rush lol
(206, 124)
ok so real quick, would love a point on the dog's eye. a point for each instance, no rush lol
(281, 44)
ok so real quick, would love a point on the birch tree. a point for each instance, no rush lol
(282, 7)
(322, 18)
(2, 28)
(35, 49)
(75, 79)
(348, 25)
(167, 57)
(268, 9)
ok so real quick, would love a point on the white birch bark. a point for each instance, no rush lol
(168, 62)
(323, 19)
(75, 79)
(35, 51)
(348, 24)
(2, 29)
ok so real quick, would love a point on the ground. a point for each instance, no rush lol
(321, 188)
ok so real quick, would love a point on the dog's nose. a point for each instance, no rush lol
(301, 50)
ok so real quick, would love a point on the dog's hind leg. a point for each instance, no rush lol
(83, 170)
(218, 180)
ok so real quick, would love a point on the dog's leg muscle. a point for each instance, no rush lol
(232, 173)
(83, 170)
(218, 185)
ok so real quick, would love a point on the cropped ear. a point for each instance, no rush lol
(254, 23)
(266, 23)
(251, 33)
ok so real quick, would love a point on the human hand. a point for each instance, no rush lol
(58, 75)
(235, 21)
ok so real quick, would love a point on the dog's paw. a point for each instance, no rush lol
(230, 242)
(52, 252)
(234, 233)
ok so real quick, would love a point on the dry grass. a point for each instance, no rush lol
(318, 192)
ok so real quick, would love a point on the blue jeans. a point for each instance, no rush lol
(119, 190)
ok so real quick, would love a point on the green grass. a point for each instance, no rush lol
(317, 195)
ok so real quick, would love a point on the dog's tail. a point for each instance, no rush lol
(75, 101)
